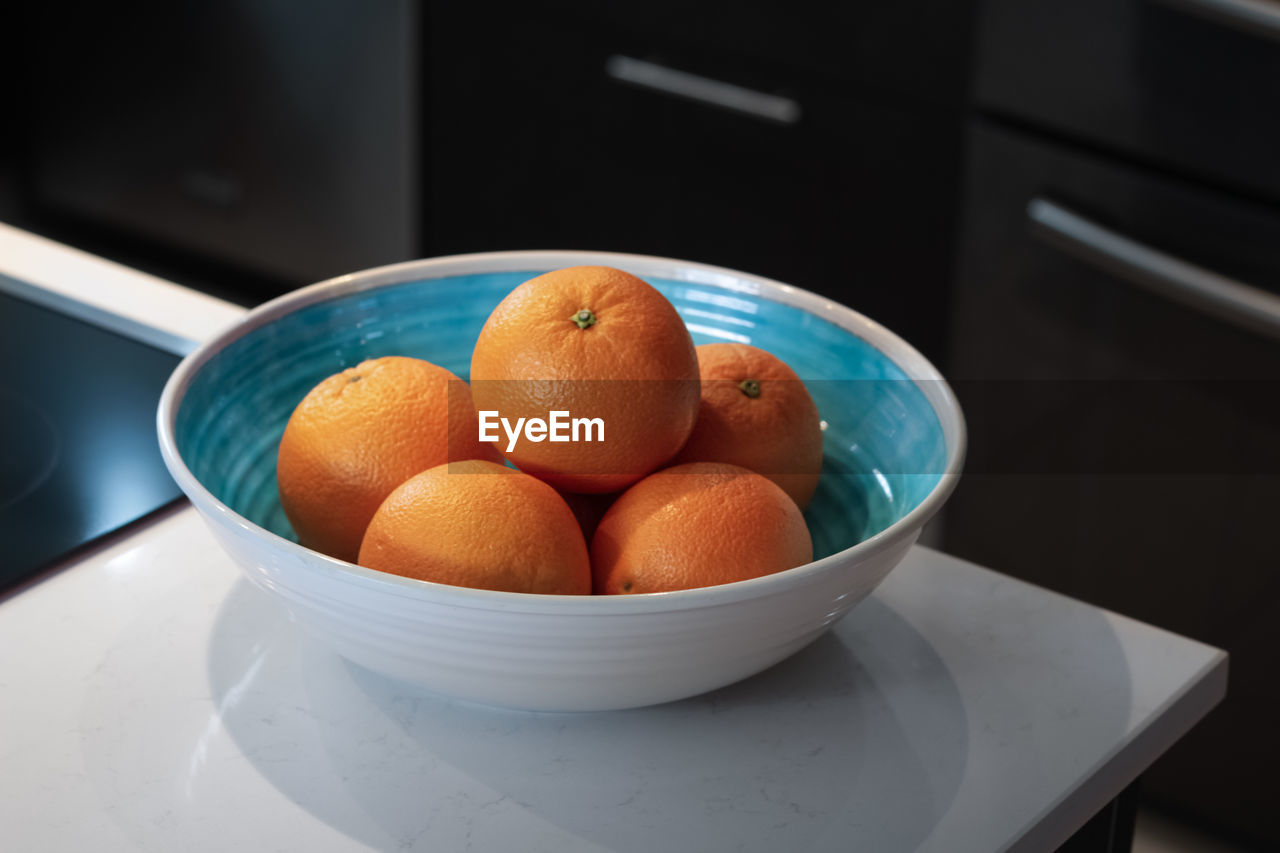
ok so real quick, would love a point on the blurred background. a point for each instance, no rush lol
(1078, 200)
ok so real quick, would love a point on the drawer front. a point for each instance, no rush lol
(1123, 442)
(600, 143)
(1151, 78)
(916, 49)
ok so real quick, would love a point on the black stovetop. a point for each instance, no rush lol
(79, 456)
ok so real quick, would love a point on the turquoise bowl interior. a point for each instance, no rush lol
(884, 448)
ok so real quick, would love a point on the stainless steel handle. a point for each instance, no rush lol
(1171, 277)
(1261, 17)
(660, 78)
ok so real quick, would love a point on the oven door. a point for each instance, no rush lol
(1116, 346)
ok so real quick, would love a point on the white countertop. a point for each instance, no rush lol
(154, 700)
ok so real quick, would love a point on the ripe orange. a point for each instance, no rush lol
(757, 413)
(359, 434)
(482, 525)
(696, 525)
(594, 342)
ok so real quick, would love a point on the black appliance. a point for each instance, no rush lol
(1116, 345)
(78, 451)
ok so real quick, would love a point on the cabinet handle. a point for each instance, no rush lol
(1261, 17)
(1166, 275)
(704, 90)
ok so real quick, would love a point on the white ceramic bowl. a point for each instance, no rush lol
(894, 444)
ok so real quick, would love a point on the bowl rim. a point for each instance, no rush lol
(913, 364)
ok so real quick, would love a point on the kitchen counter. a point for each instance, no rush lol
(154, 700)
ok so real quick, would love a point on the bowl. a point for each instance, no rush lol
(894, 440)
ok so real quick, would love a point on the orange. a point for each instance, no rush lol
(359, 434)
(757, 413)
(596, 343)
(695, 525)
(479, 524)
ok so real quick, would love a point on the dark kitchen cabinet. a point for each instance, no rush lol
(298, 143)
(1125, 445)
(1124, 427)
(539, 136)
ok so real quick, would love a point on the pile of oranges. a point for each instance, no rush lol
(702, 462)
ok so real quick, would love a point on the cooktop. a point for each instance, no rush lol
(79, 456)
